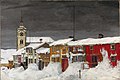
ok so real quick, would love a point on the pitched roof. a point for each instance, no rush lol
(20, 51)
(92, 41)
(43, 50)
(37, 39)
(61, 41)
(35, 45)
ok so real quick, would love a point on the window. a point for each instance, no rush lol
(21, 34)
(91, 47)
(35, 60)
(53, 59)
(113, 58)
(29, 50)
(21, 41)
(94, 61)
(94, 58)
(113, 46)
(74, 59)
(81, 58)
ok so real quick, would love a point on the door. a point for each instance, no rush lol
(94, 60)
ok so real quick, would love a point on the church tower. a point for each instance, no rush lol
(21, 36)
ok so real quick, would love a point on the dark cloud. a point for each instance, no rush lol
(55, 19)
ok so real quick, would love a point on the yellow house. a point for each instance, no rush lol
(59, 49)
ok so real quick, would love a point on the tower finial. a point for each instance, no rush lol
(21, 21)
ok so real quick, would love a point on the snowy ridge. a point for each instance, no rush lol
(22, 50)
(37, 39)
(61, 42)
(92, 41)
(35, 45)
(43, 50)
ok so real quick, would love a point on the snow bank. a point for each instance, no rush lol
(103, 71)
(72, 72)
(4, 76)
(73, 69)
(32, 72)
(54, 69)
(7, 54)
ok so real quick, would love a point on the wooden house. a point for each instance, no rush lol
(76, 52)
(31, 51)
(28, 54)
(44, 55)
(59, 52)
(93, 48)
(59, 49)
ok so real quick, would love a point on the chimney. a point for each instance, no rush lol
(41, 40)
(100, 36)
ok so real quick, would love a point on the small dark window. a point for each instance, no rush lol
(94, 61)
(81, 58)
(35, 61)
(21, 34)
(29, 50)
(21, 41)
(94, 58)
(113, 58)
(113, 46)
(83, 48)
(91, 47)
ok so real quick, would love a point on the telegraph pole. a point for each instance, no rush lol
(73, 15)
(119, 20)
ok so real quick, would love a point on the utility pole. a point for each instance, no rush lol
(73, 15)
(119, 20)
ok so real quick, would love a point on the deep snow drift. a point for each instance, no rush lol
(53, 72)
(103, 71)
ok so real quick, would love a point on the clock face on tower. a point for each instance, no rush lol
(21, 34)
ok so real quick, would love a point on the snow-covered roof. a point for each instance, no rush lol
(35, 45)
(72, 43)
(37, 39)
(61, 42)
(43, 50)
(92, 41)
(7, 55)
(23, 50)
(20, 51)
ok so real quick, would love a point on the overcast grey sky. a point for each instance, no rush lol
(54, 19)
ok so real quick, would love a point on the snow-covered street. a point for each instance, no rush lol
(53, 72)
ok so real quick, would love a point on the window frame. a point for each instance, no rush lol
(21, 41)
(112, 46)
(91, 47)
(113, 58)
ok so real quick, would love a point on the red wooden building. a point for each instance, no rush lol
(93, 47)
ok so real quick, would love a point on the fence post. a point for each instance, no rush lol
(80, 74)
